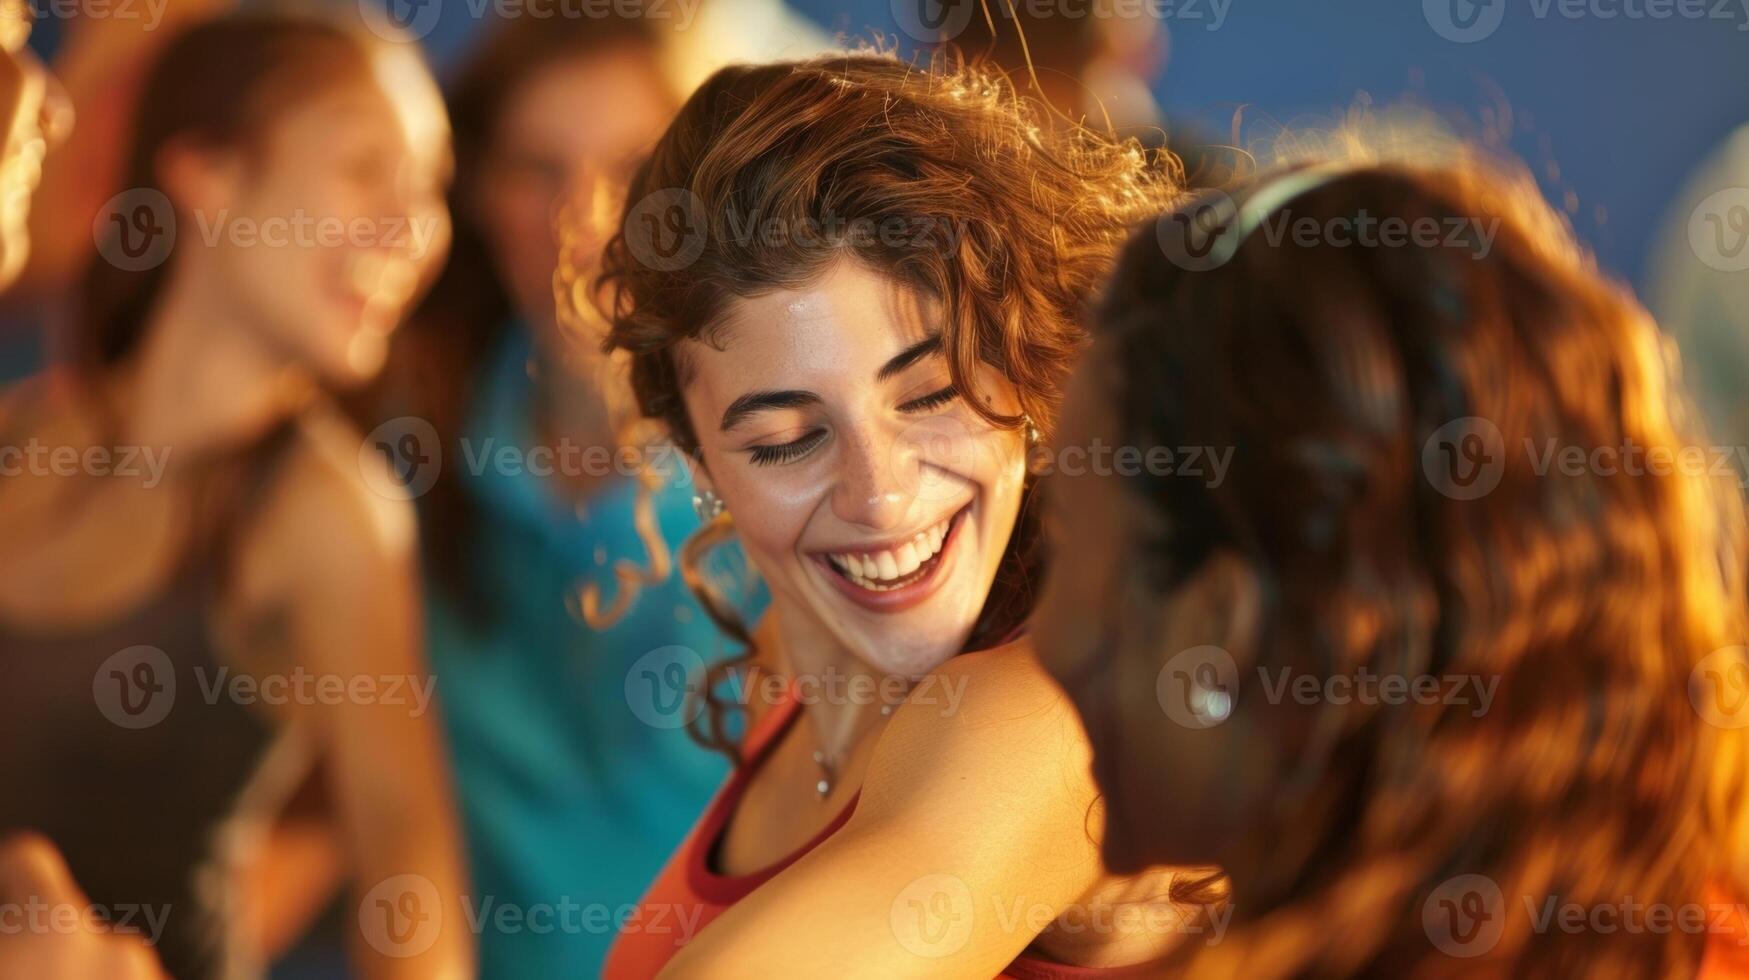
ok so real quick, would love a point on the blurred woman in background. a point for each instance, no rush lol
(547, 577)
(1385, 515)
(214, 565)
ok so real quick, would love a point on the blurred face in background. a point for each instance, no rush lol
(575, 127)
(33, 113)
(326, 226)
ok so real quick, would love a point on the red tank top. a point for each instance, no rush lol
(688, 896)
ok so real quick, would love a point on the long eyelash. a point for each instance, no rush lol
(934, 399)
(788, 452)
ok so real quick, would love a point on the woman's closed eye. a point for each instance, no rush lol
(931, 401)
(787, 452)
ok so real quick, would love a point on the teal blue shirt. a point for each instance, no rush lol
(575, 779)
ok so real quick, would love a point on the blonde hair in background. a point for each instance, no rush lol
(582, 226)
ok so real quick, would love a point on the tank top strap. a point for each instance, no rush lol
(236, 487)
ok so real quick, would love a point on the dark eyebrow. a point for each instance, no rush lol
(909, 356)
(759, 401)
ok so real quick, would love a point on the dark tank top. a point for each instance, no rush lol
(122, 749)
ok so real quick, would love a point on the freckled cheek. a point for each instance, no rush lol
(771, 513)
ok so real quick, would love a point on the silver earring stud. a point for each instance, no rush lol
(707, 505)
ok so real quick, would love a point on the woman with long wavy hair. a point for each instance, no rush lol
(206, 585)
(850, 287)
(1432, 671)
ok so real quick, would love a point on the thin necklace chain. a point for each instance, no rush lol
(828, 762)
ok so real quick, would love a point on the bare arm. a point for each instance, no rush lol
(353, 627)
(972, 833)
(294, 873)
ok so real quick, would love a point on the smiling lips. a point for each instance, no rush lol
(896, 567)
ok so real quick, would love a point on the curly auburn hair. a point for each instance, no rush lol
(1009, 216)
(1593, 597)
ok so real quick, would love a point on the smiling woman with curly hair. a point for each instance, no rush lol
(850, 288)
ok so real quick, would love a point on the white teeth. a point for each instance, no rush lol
(879, 570)
(907, 558)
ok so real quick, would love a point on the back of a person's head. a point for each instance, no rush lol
(1405, 414)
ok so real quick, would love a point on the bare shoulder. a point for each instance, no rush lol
(1003, 687)
(327, 571)
(332, 503)
(1010, 672)
(324, 530)
(994, 726)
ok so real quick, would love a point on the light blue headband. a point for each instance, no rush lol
(1274, 195)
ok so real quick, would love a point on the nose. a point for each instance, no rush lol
(877, 481)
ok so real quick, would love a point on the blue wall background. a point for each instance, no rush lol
(1626, 108)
